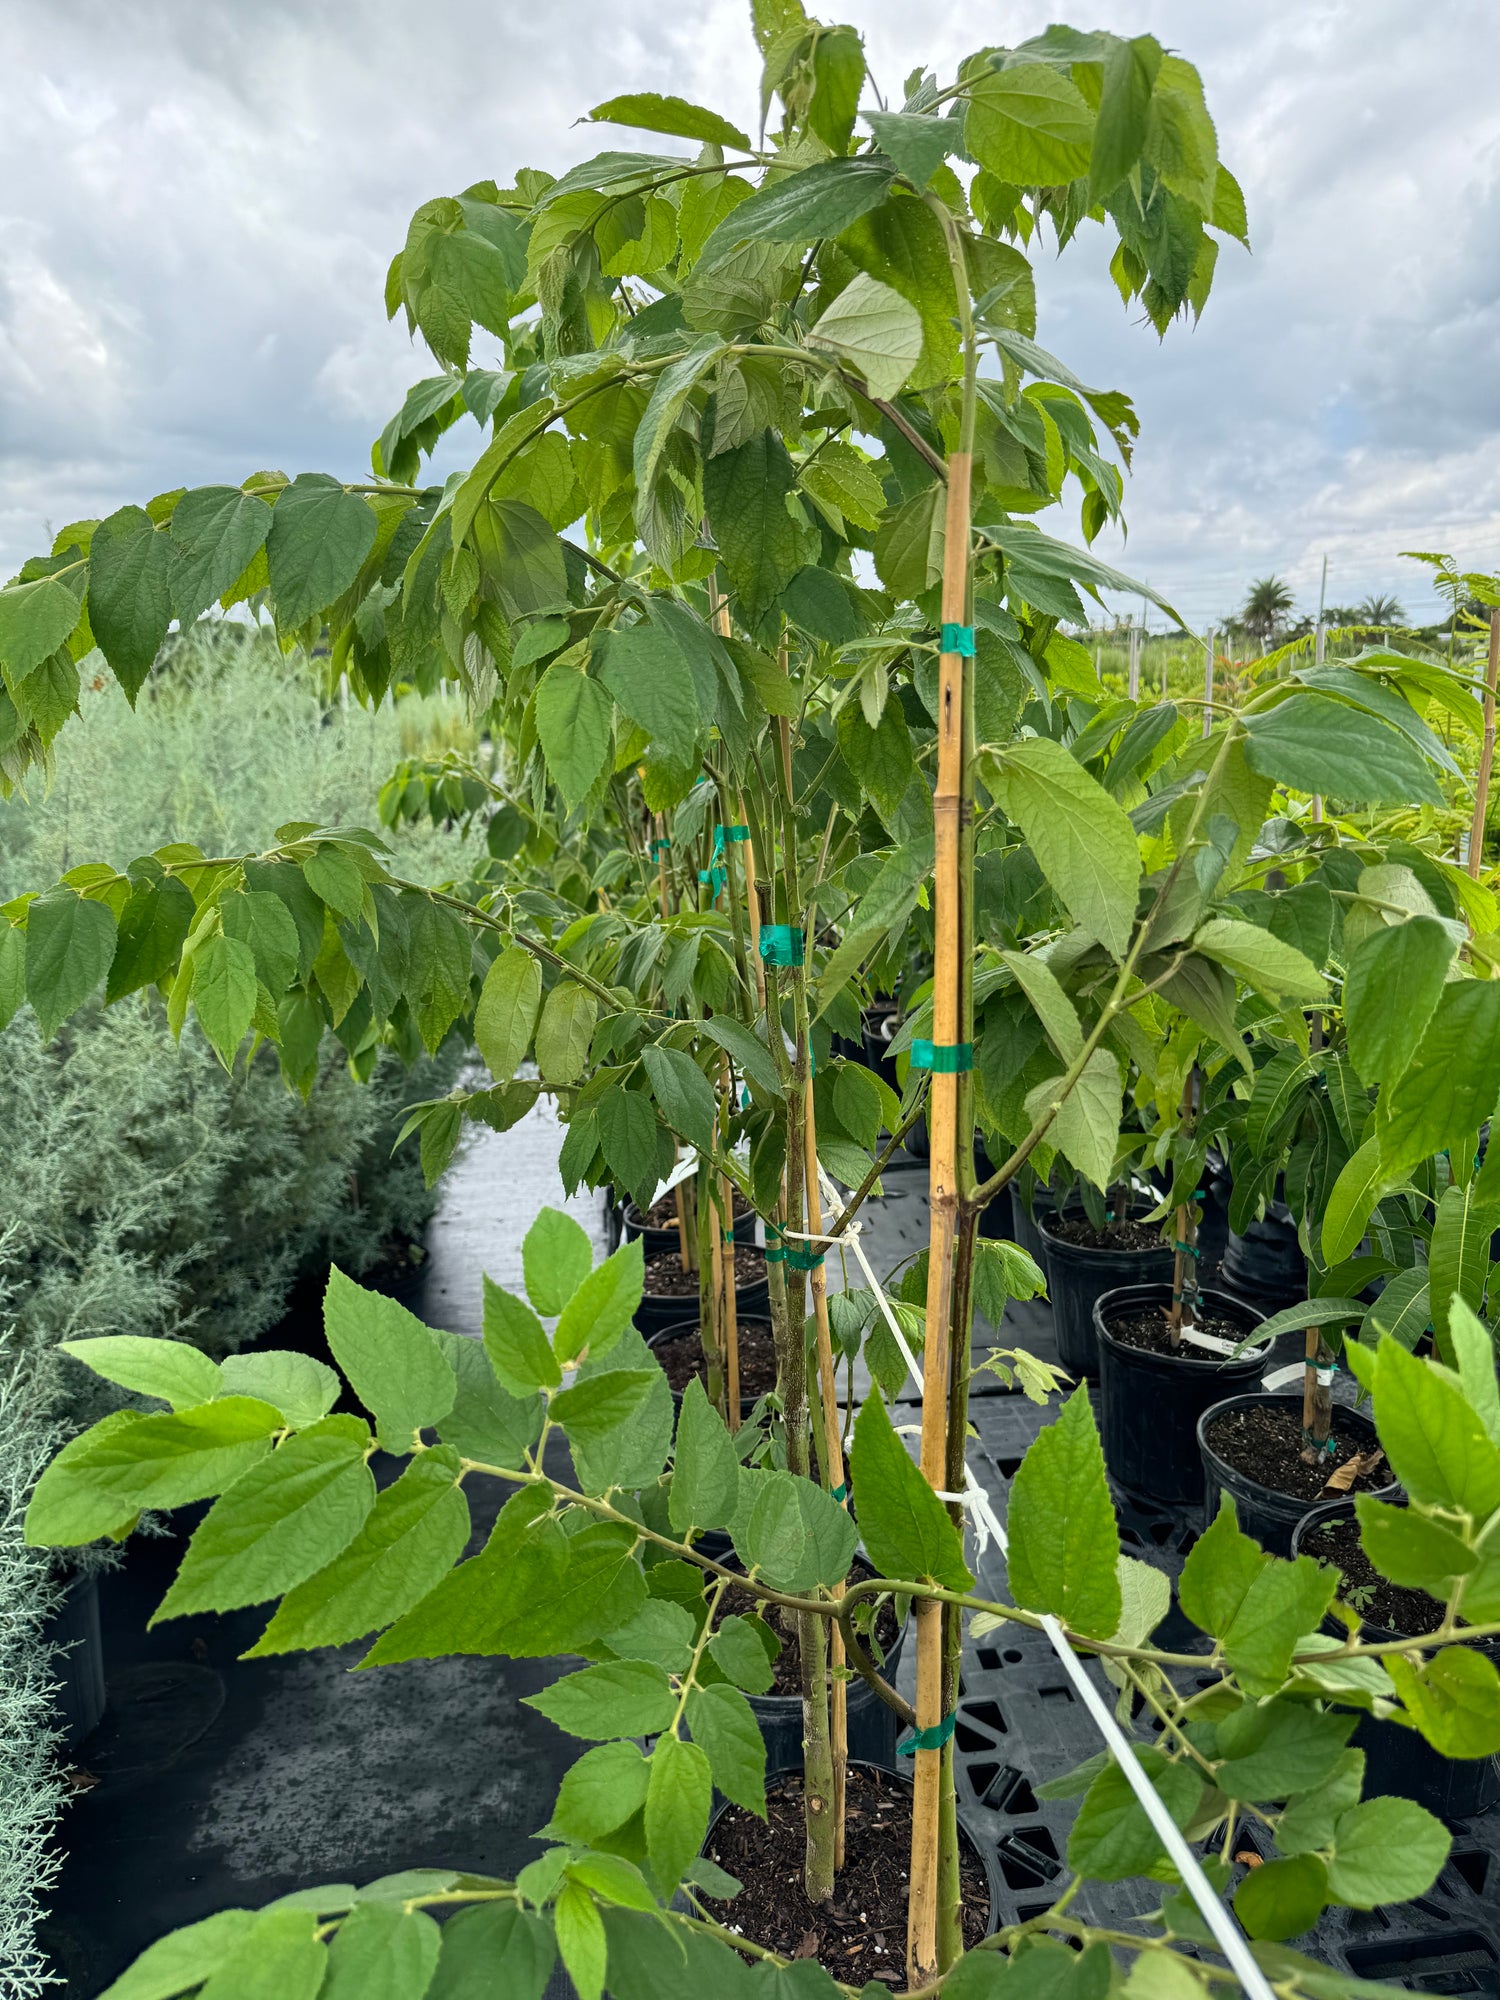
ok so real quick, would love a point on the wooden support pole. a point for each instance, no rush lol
(731, 1304)
(921, 1942)
(833, 1467)
(1487, 752)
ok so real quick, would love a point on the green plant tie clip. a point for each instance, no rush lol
(775, 1248)
(928, 1739)
(716, 877)
(1328, 1447)
(781, 944)
(1189, 1249)
(840, 1493)
(659, 847)
(959, 639)
(942, 1058)
(730, 833)
(805, 1260)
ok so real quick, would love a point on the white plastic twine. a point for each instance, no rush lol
(988, 1527)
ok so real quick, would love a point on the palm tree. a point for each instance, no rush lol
(1267, 604)
(1378, 613)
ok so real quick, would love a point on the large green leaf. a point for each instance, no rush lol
(603, 1306)
(724, 1724)
(390, 1359)
(170, 1369)
(182, 1959)
(904, 1525)
(1272, 1749)
(409, 1542)
(1086, 1127)
(679, 1795)
(100, 1481)
(556, 1257)
(1221, 1567)
(1386, 1851)
(486, 1422)
(1458, 1258)
(574, 718)
(706, 1467)
(621, 1698)
(625, 1121)
(916, 142)
(130, 593)
(1435, 1440)
(1112, 1839)
(382, 1952)
(1450, 1085)
(600, 1792)
(875, 331)
(821, 200)
(1064, 1545)
(1276, 969)
(495, 1949)
(1473, 1352)
(668, 401)
(279, 1958)
(35, 619)
(746, 1050)
(683, 1092)
(1362, 1183)
(281, 1521)
(495, 1602)
(745, 491)
(648, 111)
(563, 1035)
(70, 942)
(1081, 838)
(1393, 984)
(506, 1012)
(1281, 1899)
(1314, 744)
(1409, 1548)
(1030, 125)
(1130, 72)
(1454, 1699)
(215, 533)
(517, 1344)
(224, 990)
(318, 539)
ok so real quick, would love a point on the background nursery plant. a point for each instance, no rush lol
(799, 674)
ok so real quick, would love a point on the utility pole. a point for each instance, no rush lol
(1322, 600)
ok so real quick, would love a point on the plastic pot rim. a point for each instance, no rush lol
(1151, 1292)
(1274, 1397)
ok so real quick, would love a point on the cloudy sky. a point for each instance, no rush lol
(198, 200)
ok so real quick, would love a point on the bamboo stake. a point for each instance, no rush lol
(1184, 1279)
(752, 906)
(921, 1943)
(731, 1303)
(833, 1467)
(1487, 753)
(1317, 1399)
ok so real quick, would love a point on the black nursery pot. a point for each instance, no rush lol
(969, 1831)
(657, 1240)
(1270, 1517)
(692, 1325)
(873, 1727)
(79, 1663)
(1151, 1403)
(1399, 1760)
(1266, 1265)
(659, 1310)
(1077, 1277)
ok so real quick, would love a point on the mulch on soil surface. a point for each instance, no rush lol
(788, 1662)
(1149, 1332)
(1265, 1441)
(861, 1934)
(682, 1358)
(1388, 1605)
(666, 1279)
(1122, 1234)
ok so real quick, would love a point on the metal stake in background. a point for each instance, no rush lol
(1133, 687)
(1208, 681)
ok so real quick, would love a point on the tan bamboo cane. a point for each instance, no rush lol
(921, 1943)
(1487, 753)
(731, 1304)
(833, 1466)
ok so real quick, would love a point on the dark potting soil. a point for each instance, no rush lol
(1377, 1600)
(666, 1279)
(1122, 1234)
(1150, 1332)
(861, 1934)
(1265, 1441)
(682, 1358)
(788, 1663)
(664, 1214)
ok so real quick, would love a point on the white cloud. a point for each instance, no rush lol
(197, 206)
